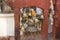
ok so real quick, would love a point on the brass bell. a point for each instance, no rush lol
(51, 22)
(32, 12)
(41, 16)
(36, 20)
(21, 10)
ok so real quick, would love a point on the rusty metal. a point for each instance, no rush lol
(17, 4)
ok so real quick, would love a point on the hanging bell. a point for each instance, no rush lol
(27, 21)
(22, 28)
(29, 14)
(30, 22)
(51, 15)
(36, 20)
(51, 18)
(41, 16)
(51, 23)
(32, 12)
(24, 14)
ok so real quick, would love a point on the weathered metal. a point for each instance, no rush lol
(17, 4)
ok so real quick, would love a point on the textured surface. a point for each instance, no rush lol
(29, 37)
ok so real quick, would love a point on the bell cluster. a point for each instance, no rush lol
(31, 19)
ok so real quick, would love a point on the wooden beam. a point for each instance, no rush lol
(17, 23)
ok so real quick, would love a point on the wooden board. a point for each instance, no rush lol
(56, 26)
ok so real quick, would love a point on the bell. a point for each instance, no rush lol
(25, 15)
(22, 28)
(50, 15)
(29, 14)
(51, 23)
(32, 12)
(41, 16)
(30, 22)
(39, 29)
(51, 18)
(36, 20)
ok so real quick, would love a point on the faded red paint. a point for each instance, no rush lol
(56, 28)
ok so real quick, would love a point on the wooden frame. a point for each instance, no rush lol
(56, 26)
(17, 4)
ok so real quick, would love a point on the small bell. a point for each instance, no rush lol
(30, 22)
(42, 17)
(51, 23)
(39, 29)
(24, 14)
(50, 15)
(36, 20)
(32, 12)
(29, 14)
(22, 28)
